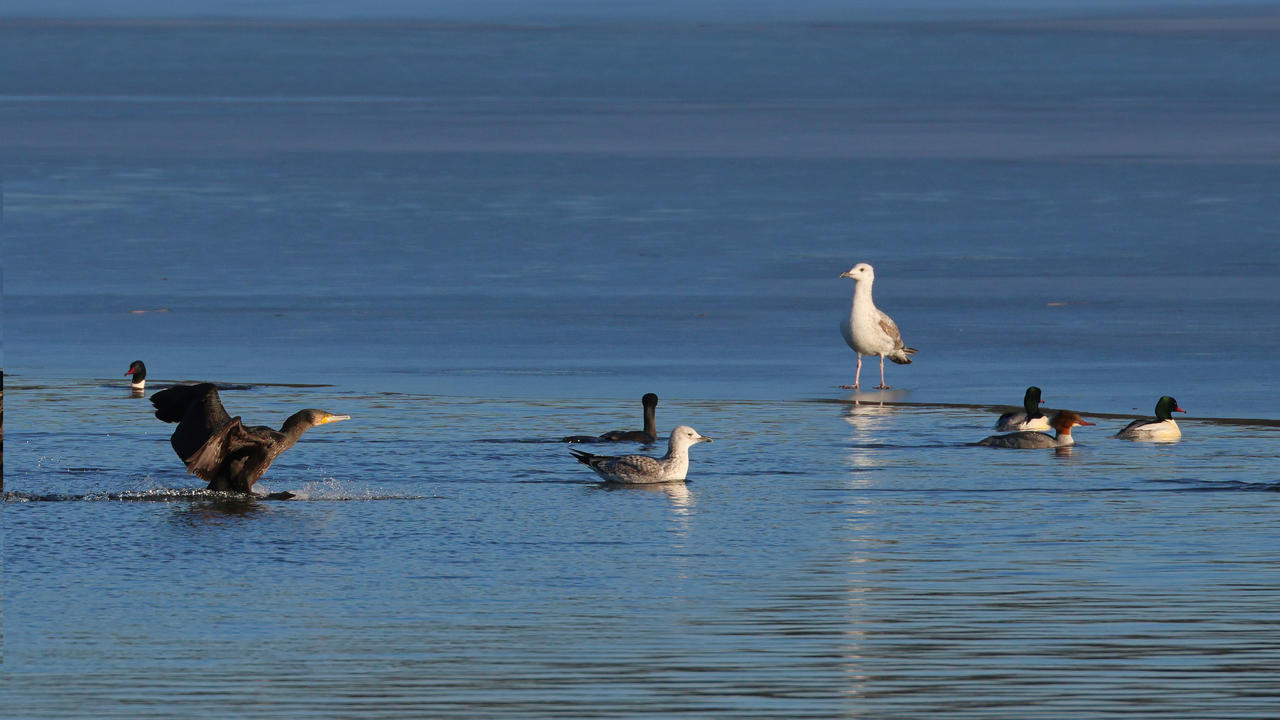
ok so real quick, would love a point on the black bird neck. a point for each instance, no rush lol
(650, 425)
(293, 428)
(1031, 403)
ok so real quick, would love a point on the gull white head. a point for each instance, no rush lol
(683, 437)
(861, 271)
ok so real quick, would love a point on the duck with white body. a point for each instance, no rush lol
(1161, 429)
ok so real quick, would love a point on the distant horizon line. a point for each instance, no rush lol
(1198, 17)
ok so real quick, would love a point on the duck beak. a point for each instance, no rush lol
(1087, 423)
(334, 418)
(130, 371)
(1178, 409)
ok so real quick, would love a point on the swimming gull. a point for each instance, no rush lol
(636, 469)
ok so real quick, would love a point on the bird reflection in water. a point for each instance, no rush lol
(873, 422)
(682, 499)
(214, 510)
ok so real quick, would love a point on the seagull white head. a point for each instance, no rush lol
(683, 436)
(861, 271)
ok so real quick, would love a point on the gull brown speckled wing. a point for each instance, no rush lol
(890, 328)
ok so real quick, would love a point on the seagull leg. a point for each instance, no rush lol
(882, 386)
(857, 375)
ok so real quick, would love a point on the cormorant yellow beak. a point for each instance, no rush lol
(334, 418)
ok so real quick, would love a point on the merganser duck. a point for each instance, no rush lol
(1030, 418)
(139, 373)
(1162, 429)
(636, 469)
(647, 435)
(1063, 421)
(867, 330)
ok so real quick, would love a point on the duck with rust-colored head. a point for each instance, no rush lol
(1062, 423)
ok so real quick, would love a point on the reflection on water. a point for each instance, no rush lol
(681, 497)
(214, 512)
(872, 423)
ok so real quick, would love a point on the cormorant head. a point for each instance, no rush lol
(649, 400)
(313, 417)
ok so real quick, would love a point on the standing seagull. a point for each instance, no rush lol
(219, 448)
(869, 331)
(636, 469)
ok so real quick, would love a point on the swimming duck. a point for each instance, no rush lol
(1029, 418)
(1063, 421)
(867, 330)
(671, 467)
(138, 370)
(1161, 429)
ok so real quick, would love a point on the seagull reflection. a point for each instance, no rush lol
(872, 422)
(682, 499)
(859, 397)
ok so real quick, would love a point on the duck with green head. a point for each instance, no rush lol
(1029, 418)
(1161, 429)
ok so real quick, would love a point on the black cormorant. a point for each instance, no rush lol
(219, 448)
(647, 435)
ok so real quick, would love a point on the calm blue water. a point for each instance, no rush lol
(476, 239)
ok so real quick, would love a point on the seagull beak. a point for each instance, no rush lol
(845, 274)
(703, 438)
(334, 418)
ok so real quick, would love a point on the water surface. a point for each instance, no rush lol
(476, 239)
